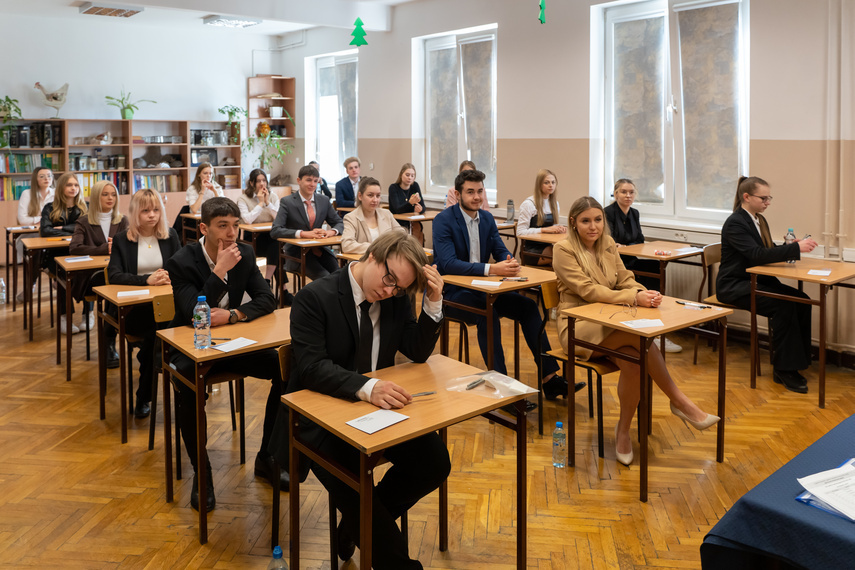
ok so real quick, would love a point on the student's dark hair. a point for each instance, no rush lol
(467, 164)
(407, 248)
(308, 170)
(746, 185)
(468, 176)
(219, 207)
(252, 180)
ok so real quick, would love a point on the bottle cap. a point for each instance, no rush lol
(201, 298)
(277, 552)
(559, 424)
(790, 230)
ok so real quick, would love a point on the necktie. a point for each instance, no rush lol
(311, 211)
(366, 340)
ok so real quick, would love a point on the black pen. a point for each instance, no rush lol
(475, 383)
(423, 394)
(690, 304)
(216, 338)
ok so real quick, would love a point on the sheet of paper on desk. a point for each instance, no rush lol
(76, 259)
(419, 217)
(262, 228)
(643, 323)
(688, 250)
(821, 272)
(375, 421)
(134, 293)
(836, 487)
(308, 242)
(483, 283)
(235, 344)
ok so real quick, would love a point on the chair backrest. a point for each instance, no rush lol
(709, 257)
(164, 308)
(549, 293)
(106, 277)
(285, 362)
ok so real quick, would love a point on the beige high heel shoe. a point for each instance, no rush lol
(625, 458)
(708, 421)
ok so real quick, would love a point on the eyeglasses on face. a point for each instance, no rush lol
(390, 281)
(764, 199)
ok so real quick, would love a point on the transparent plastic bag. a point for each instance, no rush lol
(494, 385)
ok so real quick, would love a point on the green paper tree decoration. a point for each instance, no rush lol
(542, 16)
(358, 34)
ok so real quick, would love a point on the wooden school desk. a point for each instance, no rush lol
(549, 239)
(647, 250)
(12, 233)
(121, 296)
(674, 317)
(509, 230)
(346, 257)
(251, 232)
(306, 245)
(840, 271)
(190, 223)
(426, 414)
(269, 331)
(31, 246)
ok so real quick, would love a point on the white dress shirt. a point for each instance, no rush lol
(472, 224)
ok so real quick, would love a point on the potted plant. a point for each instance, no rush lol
(125, 105)
(9, 111)
(234, 113)
(269, 144)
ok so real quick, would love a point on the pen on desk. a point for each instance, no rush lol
(475, 384)
(423, 394)
(690, 304)
(217, 338)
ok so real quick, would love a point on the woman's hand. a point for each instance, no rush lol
(263, 197)
(648, 298)
(159, 277)
(414, 199)
(109, 246)
(418, 208)
(556, 229)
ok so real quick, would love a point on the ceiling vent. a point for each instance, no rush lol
(230, 21)
(99, 9)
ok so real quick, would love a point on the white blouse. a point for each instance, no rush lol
(251, 211)
(193, 194)
(149, 258)
(24, 203)
(528, 211)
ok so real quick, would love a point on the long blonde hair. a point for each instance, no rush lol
(538, 196)
(146, 198)
(197, 182)
(582, 254)
(95, 203)
(407, 166)
(34, 208)
(59, 209)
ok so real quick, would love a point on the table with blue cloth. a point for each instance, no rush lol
(768, 528)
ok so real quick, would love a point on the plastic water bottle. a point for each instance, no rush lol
(201, 324)
(509, 216)
(278, 562)
(559, 445)
(788, 239)
(2, 292)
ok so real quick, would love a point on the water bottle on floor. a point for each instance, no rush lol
(2, 292)
(201, 324)
(278, 562)
(788, 239)
(559, 445)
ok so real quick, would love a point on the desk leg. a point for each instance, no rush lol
(522, 513)
(823, 292)
(14, 254)
(490, 332)
(67, 323)
(366, 491)
(517, 349)
(662, 265)
(294, 489)
(303, 252)
(69, 304)
(443, 501)
(570, 377)
(643, 347)
(123, 364)
(167, 421)
(102, 359)
(280, 286)
(28, 295)
(753, 338)
(201, 454)
(443, 338)
(722, 385)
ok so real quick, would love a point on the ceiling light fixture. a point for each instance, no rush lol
(99, 9)
(230, 21)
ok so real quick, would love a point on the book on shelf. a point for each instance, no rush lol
(12, 189)
(88, 179)
(158, 182)
(14, 163)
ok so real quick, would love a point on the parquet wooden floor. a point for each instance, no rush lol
(72, 496)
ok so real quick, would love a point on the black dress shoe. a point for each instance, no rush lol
(556, 386)
(112, 355)
(790, 381)
(142, 409)
(264, 469)
(579, 386)
(512, 408)
(211, 500)
(346, 545)
(287, 298)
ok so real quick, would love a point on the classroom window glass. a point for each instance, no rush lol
(333, 136)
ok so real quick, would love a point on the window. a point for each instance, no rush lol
(670, 105)
(331, 89)
(457, 77)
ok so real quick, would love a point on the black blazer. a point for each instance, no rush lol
(292, 217)
(741, 248)
(191, 276)
(63, 227)
(90, 240)
(122, 269)
(625, 228)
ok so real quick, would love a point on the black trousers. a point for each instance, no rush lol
(418, 468)
(140, 322)
(264, 364)
(650, 265)
(790, 324)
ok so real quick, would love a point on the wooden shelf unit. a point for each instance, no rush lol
(259, 107)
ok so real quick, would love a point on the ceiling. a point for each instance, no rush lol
(278, 16)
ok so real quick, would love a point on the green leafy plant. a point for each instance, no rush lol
(271, 147)
(234, 113)
(125, 105)
(9, 111)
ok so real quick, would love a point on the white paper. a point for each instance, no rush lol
(643, 323)
(835, 486)
(262, 228)
(76, 259)
(482, 283)
(308, 242)
(419, 217)
(134, 293)
(235, 344)
(375, 421)
(688, 250)
(22, 228)
(822, 272)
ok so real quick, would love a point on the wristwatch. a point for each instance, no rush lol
(233, 316)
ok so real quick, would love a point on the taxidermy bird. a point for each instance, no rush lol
(55, 99)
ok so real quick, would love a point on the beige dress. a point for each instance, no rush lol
(356, 237)
(610, 282)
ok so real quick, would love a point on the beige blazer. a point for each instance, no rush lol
(356, 237)
(610, 283)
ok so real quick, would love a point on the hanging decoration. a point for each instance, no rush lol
(358, 34)
(542, 16)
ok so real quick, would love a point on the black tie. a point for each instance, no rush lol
(366, 340)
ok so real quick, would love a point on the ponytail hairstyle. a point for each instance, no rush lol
(746, 185)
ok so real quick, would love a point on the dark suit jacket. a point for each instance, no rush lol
(122, 269)
(325, 339)
(618, 227)
(90, 240)
(451, 243)
(292, 217)
(741, 248)
(344, 195)
(191, 276)
(63, 227)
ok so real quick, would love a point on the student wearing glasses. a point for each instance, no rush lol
(746, 242)
(590, 270)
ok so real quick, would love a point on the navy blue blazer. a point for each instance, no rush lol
(344, 196)
(451, 243)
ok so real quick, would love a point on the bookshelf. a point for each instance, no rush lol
(259, 91)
